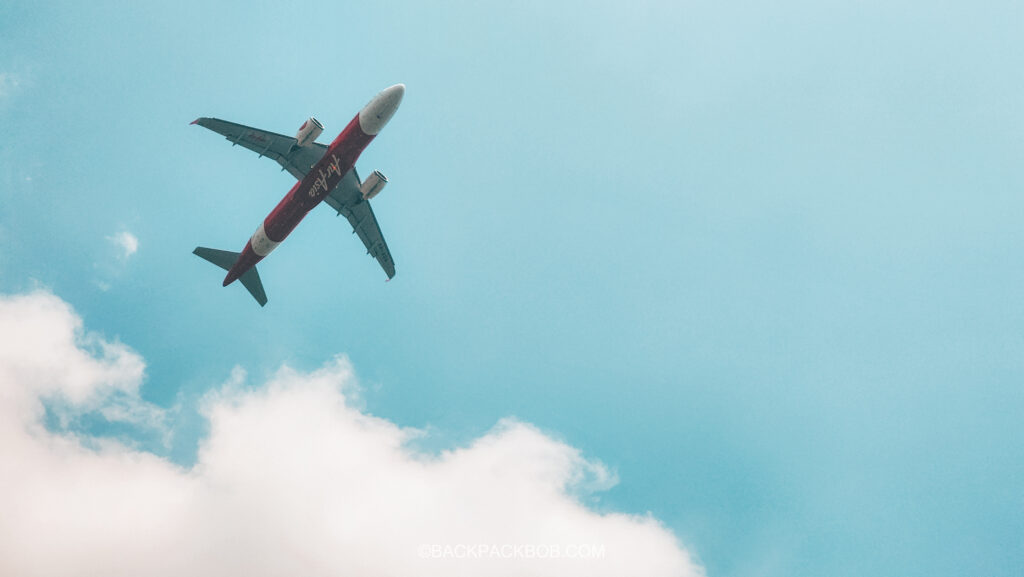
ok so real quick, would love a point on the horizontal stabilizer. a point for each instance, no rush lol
(225, 259)
(251, 282)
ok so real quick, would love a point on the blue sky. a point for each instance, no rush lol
(761, 260)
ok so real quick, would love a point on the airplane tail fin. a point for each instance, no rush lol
(225, 259)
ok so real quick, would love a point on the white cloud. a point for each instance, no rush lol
(293, 479)
(126, 242)
(113, 263)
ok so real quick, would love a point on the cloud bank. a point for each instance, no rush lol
(293, 479)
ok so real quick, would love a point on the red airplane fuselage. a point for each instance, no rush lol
(325, 175)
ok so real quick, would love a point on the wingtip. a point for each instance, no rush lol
(196, 121)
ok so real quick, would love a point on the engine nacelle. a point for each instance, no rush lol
(308, 132)
(373, 185)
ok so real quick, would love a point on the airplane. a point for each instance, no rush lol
(324, 173)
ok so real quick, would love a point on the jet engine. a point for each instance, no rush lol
(308, 132)
(373, 185)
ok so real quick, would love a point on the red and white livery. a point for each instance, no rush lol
(324, 173)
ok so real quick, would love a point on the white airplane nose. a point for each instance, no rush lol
(379, 111)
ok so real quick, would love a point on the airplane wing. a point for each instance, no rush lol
(348, 202)
(295, 159)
